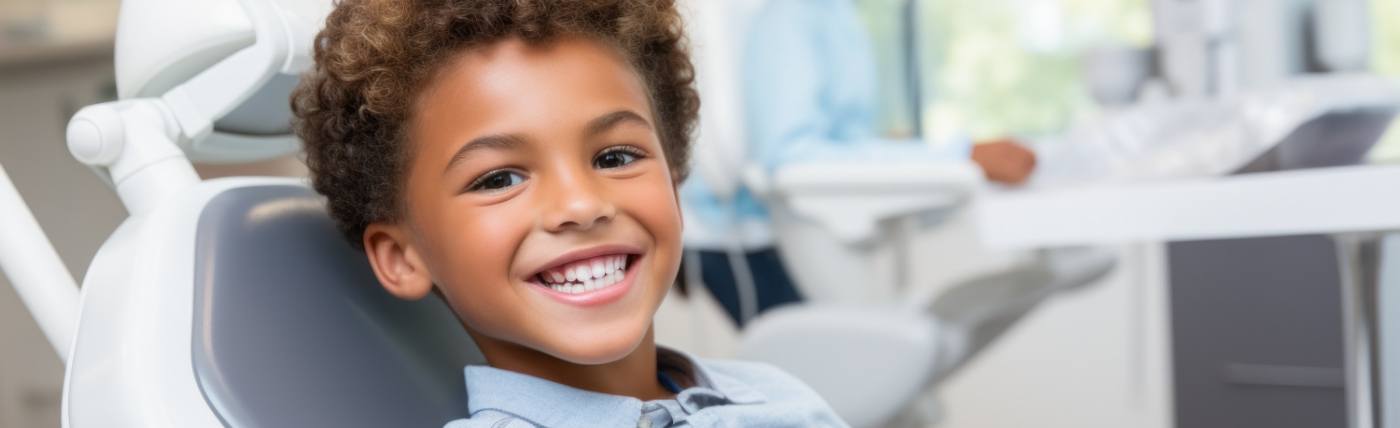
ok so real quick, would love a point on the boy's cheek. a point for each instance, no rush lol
(661, 216)
(475, 250)
(656, 200)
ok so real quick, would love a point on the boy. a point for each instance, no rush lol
(520, 159)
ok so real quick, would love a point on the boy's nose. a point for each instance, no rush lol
(577, 204)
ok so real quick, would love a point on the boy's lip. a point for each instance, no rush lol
(597, 297)
(584, 254)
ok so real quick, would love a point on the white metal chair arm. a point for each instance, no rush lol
(852, 199)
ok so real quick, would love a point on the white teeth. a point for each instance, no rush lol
(589, 284)
(585, 276)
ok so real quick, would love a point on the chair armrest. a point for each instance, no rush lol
(974, 313)
(868, 362)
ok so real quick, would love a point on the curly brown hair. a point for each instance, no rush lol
(374, 57)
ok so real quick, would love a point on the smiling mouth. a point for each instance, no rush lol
(587, 275)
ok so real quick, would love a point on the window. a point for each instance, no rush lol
(1385, 60)
(998, 67)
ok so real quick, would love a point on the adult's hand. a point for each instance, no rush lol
(1004, 160)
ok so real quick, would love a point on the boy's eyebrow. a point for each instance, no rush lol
(498, 142)
(510, 141)
(602, 123)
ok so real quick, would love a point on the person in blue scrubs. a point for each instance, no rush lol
(809, 94)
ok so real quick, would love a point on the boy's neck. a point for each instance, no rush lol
(633, 376)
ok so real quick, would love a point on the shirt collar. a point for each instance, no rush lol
(734, 390)
(489, 388)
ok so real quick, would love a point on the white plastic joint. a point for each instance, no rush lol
(96, 135)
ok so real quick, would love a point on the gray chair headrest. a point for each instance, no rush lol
(291, 328)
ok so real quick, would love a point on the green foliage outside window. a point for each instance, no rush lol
(1011, 67)
(1385, 58)
(999, 67)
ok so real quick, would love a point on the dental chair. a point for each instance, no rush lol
(228, 302)
(869, 340)
(282, 325)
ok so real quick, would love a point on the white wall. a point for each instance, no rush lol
(72, 205)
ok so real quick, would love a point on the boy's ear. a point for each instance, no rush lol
(396, 262)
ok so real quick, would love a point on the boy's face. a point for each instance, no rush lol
(538, 200)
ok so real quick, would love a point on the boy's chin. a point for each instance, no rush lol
(597, 347)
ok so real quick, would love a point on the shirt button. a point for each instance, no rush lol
(644, 423)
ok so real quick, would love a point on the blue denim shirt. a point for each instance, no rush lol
(725, 393)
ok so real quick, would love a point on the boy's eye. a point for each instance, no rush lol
(616, 158)
(496, 180)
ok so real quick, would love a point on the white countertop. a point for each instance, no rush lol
(1325, 200)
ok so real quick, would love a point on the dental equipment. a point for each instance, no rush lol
(1207, 137)
(228, 302)
(32, 265)
(1211, 48)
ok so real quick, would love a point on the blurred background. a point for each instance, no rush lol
(1136, 350)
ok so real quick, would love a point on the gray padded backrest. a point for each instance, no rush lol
(291, 329)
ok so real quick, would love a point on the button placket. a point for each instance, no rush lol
(655, 415)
